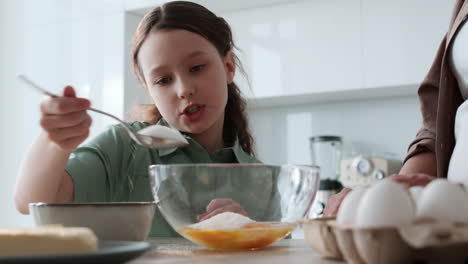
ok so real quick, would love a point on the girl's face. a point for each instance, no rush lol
(187, 79)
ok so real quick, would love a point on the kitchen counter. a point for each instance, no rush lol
(179, 250)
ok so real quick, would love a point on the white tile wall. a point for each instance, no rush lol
(371, 127)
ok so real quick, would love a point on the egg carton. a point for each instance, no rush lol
(421, 242)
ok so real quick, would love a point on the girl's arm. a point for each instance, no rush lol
(42, 176)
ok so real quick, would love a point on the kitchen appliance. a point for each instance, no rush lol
(326, 153)
(364, 170)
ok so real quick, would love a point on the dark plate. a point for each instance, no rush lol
(108, 252)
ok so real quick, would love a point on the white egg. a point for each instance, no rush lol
(385, 204)
(443, 201)
(416, 192)
(347, 212)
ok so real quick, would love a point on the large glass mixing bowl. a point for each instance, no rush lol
(275, 196)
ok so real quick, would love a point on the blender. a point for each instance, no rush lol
(326, 153)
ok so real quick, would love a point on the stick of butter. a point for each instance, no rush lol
(46, 240)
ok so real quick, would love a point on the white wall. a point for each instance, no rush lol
(367, 126)
(11, 109)
(55, 43)
(134, 93)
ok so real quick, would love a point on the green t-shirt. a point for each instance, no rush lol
(112, 168)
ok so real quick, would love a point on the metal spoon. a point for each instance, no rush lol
(169, 137)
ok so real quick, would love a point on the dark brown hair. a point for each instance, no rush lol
(199, 20)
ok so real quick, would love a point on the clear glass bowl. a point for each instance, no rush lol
(276, 196)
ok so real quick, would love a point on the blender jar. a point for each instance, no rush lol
(326, 153)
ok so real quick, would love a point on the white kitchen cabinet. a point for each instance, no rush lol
(292, 47)
(294, 51)
(341, 50)
(400, 39)
(141, 6)
(87, 53)
(44, 12)
(315, 51)
(57, 11)
(299, 48)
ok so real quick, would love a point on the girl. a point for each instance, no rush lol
(183, 56)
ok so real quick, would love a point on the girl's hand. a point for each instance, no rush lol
(334, 203)
(218, 206)
(412, 179)
(65, 119)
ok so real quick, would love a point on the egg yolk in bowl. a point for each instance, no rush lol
(250, 236)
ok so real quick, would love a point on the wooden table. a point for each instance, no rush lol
(179, 250)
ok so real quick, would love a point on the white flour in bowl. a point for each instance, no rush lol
(223, 221)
